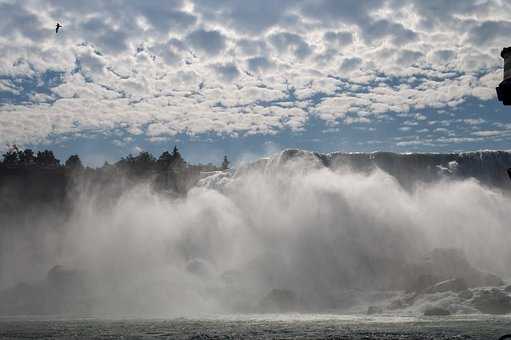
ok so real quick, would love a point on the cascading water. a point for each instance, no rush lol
(313, 232)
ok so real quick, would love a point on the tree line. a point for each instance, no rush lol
(39, 176)
(16, 158)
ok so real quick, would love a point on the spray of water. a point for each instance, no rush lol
(296, 225)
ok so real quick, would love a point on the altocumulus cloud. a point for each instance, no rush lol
(160, 68)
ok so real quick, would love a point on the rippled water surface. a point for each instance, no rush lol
(292, 326)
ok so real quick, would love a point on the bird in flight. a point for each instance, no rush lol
(57, 27)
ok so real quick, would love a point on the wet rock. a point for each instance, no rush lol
(492, 280)
(466, 295)
(198, 267)
(403, 302)
(508, 289)
(421, 283)
(231, 277)
(374, 310)
(62, 276)
(446, 263)
(454, 285)
(492, 301)
(436, 311)
(279, 300)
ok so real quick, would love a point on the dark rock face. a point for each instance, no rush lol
(421, 283)
(493, 301)
(63, 291)
(504, 88)
(488, 167)
(466, 295)
(371, 310)
(447, 270)
(436, 311)
(279, 300)
(454, 285)
(403, 302)
(198, 267)
(61, 276)
(491, 280)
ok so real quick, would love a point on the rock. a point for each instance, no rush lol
(374, 310)
(454, 285)
(466, 295)
(231, 277)
(60, 275)
(279, 300)
(403, 302)
(492, 301)
(444, 264)
(436, 311)
(198, 267)
(65, 282)
(508, 289)
(421, 283)
(492, 280)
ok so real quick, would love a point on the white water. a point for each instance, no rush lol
(282, 224)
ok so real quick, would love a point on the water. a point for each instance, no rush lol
(272, 326)
(315, 233)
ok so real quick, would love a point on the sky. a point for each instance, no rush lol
(249, 78)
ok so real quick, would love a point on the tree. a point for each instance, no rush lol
(46, 159)
(225, 163)
(11, 158)
(141, 163)
(145, 159)
(74, 163)
(165, 161)
(178, 162)
(26, 157)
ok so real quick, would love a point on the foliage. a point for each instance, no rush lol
(168, 172)
(225, 163)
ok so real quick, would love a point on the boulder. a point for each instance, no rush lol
(492, 301)
(421, 283)
(436, 311)
(198, 267)
(231, 277)
(491, 280)
(508, 289)
(403, 302)
(465, 295)
(60, 275)
(445, 263)
(279, 300)
(454, 285)
(374, 310)
(65, 281)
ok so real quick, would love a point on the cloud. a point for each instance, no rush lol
(164, 16)
(488, 32)
(383, 28)
(408, 57)
(349, 11)
(17, 20)
(259, 64)
(350, 64)
(161, 68)
(107, 38)
(171, 51)
(285, 42)
(227, 72)
(247, 17)
(339, 39)
(210, 42)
